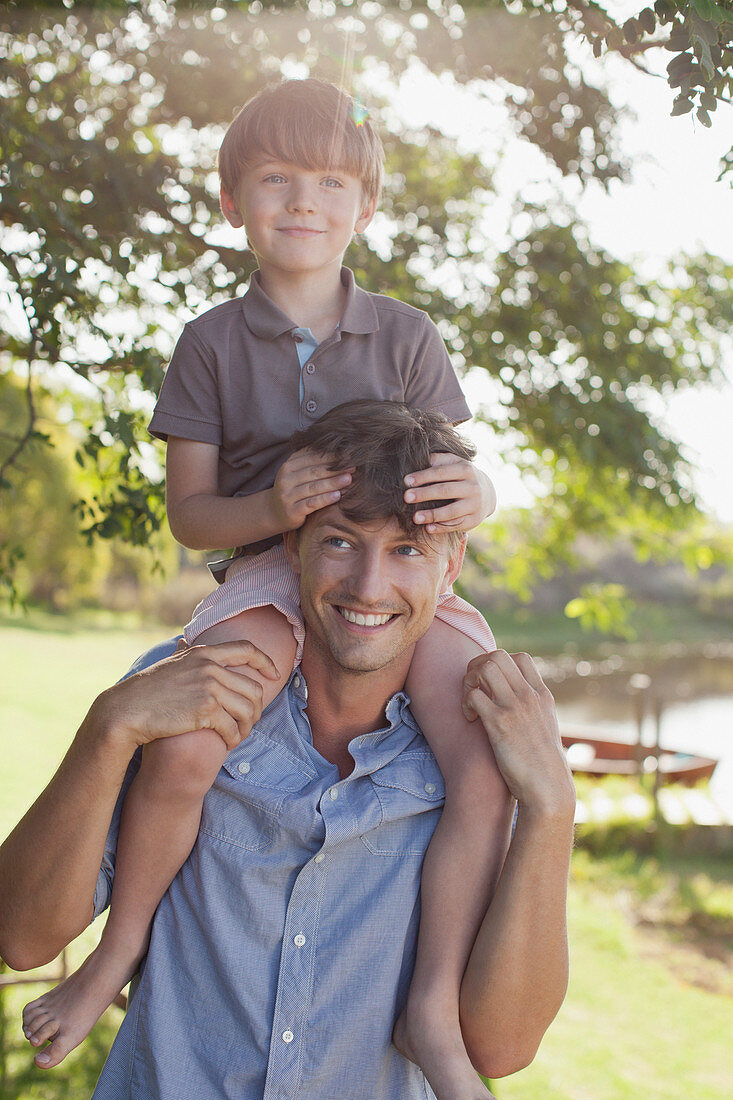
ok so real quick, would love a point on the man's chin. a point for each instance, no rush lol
(358, 661)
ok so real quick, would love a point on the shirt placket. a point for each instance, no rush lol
(299, 957)
(309, 409)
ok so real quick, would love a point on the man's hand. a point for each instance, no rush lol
(199, 687)
(510, 697)
(469, 490)
(304, 483)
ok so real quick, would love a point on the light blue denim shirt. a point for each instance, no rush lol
(282, 952)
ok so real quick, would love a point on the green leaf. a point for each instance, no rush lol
(631, 30)
(704, 8)
(681, 106)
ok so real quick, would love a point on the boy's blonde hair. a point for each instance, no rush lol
(306, 122)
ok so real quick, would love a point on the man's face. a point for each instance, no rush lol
(368, 591)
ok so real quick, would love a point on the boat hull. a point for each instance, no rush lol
(596, 757)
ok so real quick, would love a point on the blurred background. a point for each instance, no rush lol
(558, 198)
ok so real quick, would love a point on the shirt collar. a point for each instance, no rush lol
(360, 314)
(267, 321)
(380, 745)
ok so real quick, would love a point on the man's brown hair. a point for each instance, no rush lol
(384, 440)
(311, 123)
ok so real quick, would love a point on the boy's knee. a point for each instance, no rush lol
(185, 764)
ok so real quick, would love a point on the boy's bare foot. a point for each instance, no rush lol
(428, 1039)
(65, 1015)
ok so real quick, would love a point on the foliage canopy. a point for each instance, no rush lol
(111, 115)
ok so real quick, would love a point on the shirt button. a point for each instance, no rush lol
(333, 793)
(319, 858)
(296, 682)
(299, 940)
(310, 368)
(311, 406)
(288, 1036)
(430, 788)
(243, 767)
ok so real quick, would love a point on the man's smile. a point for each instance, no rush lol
(364, 618)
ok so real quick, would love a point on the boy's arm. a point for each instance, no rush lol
(201, 519)
(517, 973)
(469, 490)
(50, 863)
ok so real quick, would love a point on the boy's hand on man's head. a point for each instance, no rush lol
(470, 493)
(305, 482)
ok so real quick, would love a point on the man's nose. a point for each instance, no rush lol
(370, 581)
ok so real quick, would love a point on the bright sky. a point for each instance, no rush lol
(673, 204)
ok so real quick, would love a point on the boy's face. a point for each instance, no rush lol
(298, 220)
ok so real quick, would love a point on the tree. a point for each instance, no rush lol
(110, 119)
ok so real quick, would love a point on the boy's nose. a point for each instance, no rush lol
(301, 200)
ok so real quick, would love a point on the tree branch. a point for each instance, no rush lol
(34, 344)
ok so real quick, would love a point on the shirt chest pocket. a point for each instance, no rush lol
(410, 793)
(246, 801)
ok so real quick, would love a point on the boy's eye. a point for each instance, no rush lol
(275, 177)
(331, 181)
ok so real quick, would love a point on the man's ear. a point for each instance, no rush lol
(455, 564)
(229, 209)
(366, 216)
(290, 543)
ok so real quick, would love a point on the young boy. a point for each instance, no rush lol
(301, 171)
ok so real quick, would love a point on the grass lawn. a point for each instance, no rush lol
(649, 1012)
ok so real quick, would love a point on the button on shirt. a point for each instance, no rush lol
(283, 950)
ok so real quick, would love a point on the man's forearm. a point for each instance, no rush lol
(50, 862)
(517, 974)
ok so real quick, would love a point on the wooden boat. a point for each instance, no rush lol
(596, 757)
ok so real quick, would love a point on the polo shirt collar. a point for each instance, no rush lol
(267, 321)
(263, 317)
(360, 314)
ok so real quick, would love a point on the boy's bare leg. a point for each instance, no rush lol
(461, 868)
(159, 826)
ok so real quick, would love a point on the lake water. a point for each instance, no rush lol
(694, 697)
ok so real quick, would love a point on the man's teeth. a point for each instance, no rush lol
(358, 619)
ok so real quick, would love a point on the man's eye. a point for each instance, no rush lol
(338, 543)
(409, 551)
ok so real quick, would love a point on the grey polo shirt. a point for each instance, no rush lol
(235, 379)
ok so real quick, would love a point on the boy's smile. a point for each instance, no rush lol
(298, 220)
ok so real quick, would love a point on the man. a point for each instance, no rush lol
(281, 955)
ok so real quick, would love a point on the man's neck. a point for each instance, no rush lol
(343, 704)
(313, 300)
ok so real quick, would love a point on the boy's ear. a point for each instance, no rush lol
(366, 216)
(229, 209)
